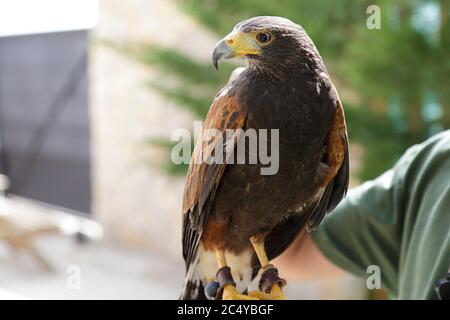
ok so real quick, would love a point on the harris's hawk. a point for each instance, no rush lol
(235, 219)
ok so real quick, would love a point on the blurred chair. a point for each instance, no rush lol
(22, 220)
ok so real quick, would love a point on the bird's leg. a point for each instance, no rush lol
(226, 282)
(270, 283)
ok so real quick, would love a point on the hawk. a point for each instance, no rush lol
(235, 219)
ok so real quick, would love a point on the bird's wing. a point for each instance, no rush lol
(336, 181)
(334, 186)
(203, 179)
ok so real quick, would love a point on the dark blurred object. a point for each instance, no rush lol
(44, 122)
(443, 288)
(44, 117)
(23, 220)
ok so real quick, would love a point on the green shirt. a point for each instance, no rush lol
(400, 222)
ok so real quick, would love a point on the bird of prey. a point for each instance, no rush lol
(235, 220)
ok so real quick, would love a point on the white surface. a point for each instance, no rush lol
(6, 295)
(107, 272)
(19, 17)
(28, 214)
(110, 272)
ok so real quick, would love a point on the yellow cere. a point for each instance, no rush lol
(243, 43)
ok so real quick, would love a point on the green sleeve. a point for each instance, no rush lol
(399, 222)
(365, 228)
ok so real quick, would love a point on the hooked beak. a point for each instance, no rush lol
(236, 44)
(221, 51)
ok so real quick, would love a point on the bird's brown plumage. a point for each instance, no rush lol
(287, 88)
(202, 178)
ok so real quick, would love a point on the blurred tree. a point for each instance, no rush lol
(394, 81)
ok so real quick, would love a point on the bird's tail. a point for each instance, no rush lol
(193, 287)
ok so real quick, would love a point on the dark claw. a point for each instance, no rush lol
(268, 278)
(211, 290)
(224, 277)
(443, 288)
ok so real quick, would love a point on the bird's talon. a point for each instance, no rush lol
(230, 293)
(259, 295)
(269, 278)
(276, 293)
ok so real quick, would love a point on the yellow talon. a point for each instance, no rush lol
(230, 293)
(276, 293)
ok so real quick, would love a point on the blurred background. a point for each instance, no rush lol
(90, 92)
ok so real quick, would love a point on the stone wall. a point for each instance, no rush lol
(137, 203)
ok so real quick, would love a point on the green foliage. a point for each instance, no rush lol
(372, 131)
(166, 146)
(197, 82)
(196, 85)
(398, 74)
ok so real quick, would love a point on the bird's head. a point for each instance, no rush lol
(264, 41)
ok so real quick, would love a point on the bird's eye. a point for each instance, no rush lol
(263, 37)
